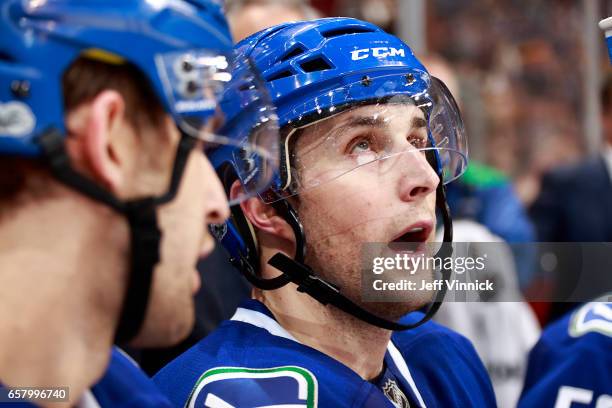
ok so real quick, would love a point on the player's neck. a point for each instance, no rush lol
(57, 296)
(354, 343)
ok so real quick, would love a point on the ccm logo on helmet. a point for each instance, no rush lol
(378, 52)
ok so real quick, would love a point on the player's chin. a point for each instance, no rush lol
(393, 311)
(396, 308)
(168, 327)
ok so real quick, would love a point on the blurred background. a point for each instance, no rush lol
(528, 73)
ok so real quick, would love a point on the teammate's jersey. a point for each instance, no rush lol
(251, 361)
(571, 365)
(124, 385)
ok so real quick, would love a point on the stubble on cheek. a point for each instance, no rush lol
(335, 238)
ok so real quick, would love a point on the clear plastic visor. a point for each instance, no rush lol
(412, 134)
(206, 90)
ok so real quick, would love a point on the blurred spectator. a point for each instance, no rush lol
(379, 12)
(575, 204)
(515, 61)
(250, 16)
(503, 328)
(486, 196)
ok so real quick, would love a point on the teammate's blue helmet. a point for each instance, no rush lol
(40, 39)
(315, 70)
(183, 48)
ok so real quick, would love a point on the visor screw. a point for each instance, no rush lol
(410, 79)
(187, 66)
(20, 89)
(192, 87)
(366, 81)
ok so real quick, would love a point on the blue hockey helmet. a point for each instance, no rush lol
(182, 48)
(318, 69)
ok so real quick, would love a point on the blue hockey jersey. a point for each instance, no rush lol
(251, 361)
(124, 385)
(571, 365)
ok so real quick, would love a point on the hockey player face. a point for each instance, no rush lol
(185, 239)
(386, 200)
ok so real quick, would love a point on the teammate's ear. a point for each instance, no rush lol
(263, 216)
(99, 142)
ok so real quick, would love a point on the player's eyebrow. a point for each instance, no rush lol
(360, 121)
(371, 121)
(418, 123)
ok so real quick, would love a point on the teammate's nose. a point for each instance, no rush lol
(216, 208)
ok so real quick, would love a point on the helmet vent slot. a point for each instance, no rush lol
(279, 75)
(294, 52)
(346, 31)
(315, 65)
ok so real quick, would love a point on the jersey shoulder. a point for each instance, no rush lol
(457, 369)
(572, 358)
(587, 329)
(594, 317)
(125, 385)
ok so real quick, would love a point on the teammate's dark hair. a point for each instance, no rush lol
(24, 179)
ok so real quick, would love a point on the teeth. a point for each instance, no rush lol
(417, 229)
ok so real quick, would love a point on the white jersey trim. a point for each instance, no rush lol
(397, 358)
(261, 320)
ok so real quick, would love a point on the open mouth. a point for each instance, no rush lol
(412, 239)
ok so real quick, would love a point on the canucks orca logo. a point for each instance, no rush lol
(234, 387)
(592, 317)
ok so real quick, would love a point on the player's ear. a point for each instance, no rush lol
(263, 216)
(100, 140)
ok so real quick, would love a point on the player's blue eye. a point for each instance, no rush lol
(362, 146)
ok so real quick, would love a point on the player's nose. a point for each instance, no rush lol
(418, 179)
(216, 208)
